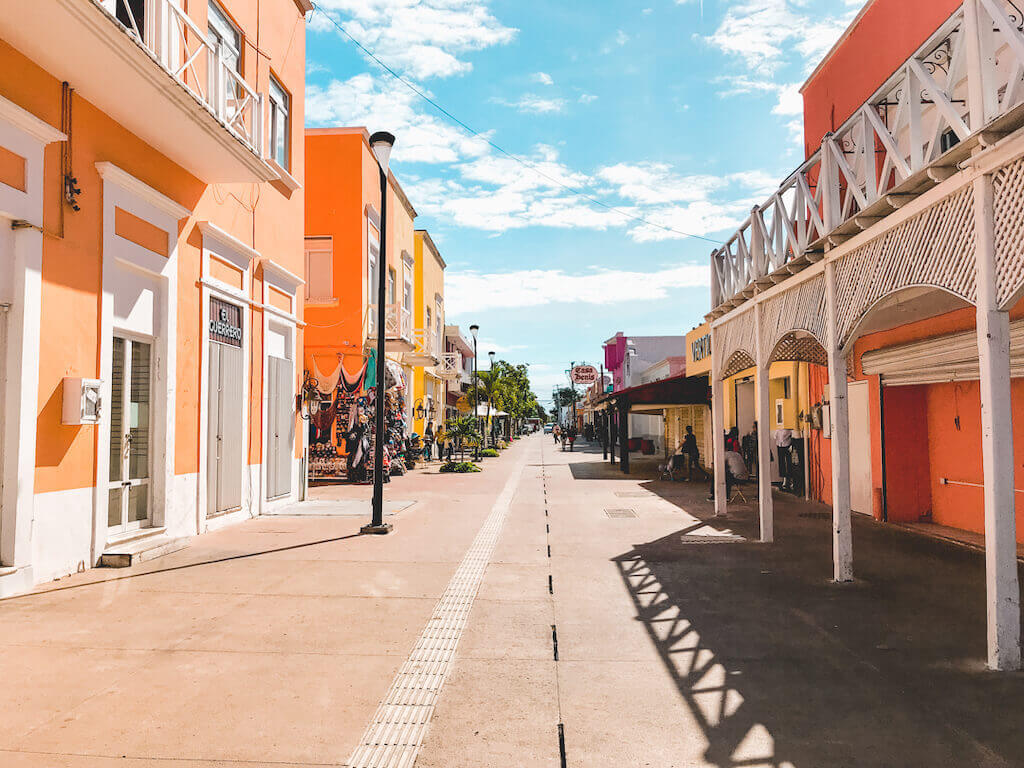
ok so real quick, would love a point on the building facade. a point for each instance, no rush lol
(429, 380)
(890, 263)
(150, 240)
(343, 253)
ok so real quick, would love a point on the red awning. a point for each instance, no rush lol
(677, 390)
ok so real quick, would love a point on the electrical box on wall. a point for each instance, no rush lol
(81, 401)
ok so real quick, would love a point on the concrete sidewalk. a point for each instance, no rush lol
(616, 624)
(683, 642)
(266, 643)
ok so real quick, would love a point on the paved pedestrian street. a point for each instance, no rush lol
(547, 611)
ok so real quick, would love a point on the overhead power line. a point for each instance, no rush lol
(476, 134)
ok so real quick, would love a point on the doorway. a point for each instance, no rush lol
(225, 435)
(860, 448)
(280, 426)
(129, 492)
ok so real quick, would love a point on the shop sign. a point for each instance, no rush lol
(463, 404)
(700, 348)
(584, 374)
(225, 322)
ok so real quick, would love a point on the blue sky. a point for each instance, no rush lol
(679, 112)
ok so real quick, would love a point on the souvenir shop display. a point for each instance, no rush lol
(341, 428)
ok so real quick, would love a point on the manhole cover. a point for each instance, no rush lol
(717, 539)
(620, 513)
(633, 494)
(816, 515)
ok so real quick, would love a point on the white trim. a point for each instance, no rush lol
(110, 172)
(238, 253)
(121, 190)
(286, 178)
(407, 259)
(372, 215)
(280, 278)
(28, 123)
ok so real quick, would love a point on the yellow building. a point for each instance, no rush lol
(428, 388)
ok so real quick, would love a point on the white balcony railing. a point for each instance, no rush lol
(397, 323)
(184, 50)
(963, 88)
(450, 366)
(425, 342)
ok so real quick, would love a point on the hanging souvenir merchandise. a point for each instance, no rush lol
(341, 428)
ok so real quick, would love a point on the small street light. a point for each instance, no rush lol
(475, 329)
(490, 377)
(381, 143)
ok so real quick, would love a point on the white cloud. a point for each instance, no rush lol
(477, 291)
(543, 78)
(762, 32)
(423, 38)
(388, 105)
(652, 183)
(531, 103)
(587, 98)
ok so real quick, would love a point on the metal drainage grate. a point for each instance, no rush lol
(620, 513)
(816, 515)
(633, 494)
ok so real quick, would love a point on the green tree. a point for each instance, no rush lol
(463, 431)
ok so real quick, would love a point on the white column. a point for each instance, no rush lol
(764, 434)
(842, 537)
(1003, 591)
(718, 428)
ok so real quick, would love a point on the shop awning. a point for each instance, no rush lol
(655, 396)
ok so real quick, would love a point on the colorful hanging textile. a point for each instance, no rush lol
(326, 384)
(371, 370)
(352, 383)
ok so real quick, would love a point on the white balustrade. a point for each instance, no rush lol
(968, 76)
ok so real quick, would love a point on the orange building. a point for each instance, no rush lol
(342, 254)
(151, 161)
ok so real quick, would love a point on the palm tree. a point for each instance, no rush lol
(462, 430)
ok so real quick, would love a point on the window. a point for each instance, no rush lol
(429, 326)
(225, 37)
(131, 13)
(279, 125)
(407, 292)
(372, 257)
(391, 286)
(319, 269)
(439, 314)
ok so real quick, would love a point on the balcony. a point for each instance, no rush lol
(425, 352)
(945, 103)
(157, 75)
(398, 335)
(450, 367)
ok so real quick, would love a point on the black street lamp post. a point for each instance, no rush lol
(490, 386)
(475, 329)
(381, 143)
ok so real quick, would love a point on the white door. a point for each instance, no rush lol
(226, 430)
(129, 488)
(746, 407)
(860, 448)
(280, 427)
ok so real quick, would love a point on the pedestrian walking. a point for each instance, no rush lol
(428, 441)
(440, 437)
(692, 454)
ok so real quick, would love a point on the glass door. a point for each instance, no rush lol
(128, 496)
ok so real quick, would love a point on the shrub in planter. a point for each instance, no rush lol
(488, 453)
(459, 467)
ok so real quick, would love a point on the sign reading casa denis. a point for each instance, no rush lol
(584, 374)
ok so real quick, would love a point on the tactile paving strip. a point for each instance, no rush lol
(395, 734)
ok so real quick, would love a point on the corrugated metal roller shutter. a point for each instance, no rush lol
(938, 360)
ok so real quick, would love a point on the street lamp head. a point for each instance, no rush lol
(491, 355)
(474, 329)
(382, 143)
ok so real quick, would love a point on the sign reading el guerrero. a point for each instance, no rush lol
(584, 374)
(225, 322)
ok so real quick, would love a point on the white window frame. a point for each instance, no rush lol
(218, 27)
(372, 263)
(279, 103)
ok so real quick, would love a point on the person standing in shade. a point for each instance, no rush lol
(440, 437)
(784, 449)
(692, 454)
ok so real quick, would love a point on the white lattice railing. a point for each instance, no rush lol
(425, 342)
(397, 323)
(450, 366)
(967, 76)
(183, 49)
